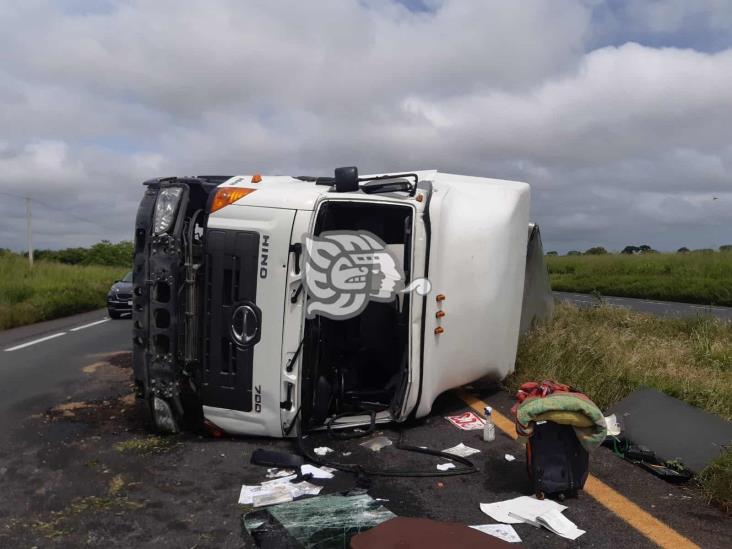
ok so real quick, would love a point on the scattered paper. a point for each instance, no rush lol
(461, 450)
(613, 426)
(556, 522)
(247, 493)
(280, 480)
(317, 472)
(279, 493)
(274, 472)
(506, 532)
(304, 488)
(509, 457)
(509, 510)
(377, 443)
(467, 421)
(276, 491)
(323, 450)
(445, 466)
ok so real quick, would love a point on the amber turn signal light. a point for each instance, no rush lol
(256, 178)
(439, 330)
(440, 297)
(228, 195)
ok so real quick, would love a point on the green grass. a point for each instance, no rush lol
(609, 352)
(50, 290)
(693, 277)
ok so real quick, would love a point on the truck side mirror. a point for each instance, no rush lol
(346, 179)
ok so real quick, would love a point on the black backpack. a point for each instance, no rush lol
(556, 461)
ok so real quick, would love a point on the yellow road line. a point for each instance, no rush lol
(642, 521)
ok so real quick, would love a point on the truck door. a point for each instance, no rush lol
(246, 259)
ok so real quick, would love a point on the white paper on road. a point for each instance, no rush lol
(280, 480)
(445, 466)
(510, 510)
(304, 488)
(509, 457)
(506, 532)
(556, 522)
(461, 450)
(276, 491)
(323, 450)
(279, 493)
(317, 472)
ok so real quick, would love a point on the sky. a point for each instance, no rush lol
(618, 113)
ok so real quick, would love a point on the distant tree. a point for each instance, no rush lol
(725, 248)
(552, 253)
(630, 250)
(683, 250)
(703, 251)
(574, 252)
(596, 250)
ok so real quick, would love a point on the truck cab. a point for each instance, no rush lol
(272, 305)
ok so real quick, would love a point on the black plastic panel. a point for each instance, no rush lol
(231, 281)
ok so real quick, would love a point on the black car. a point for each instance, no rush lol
(119, 298)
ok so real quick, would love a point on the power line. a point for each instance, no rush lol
(51, 207)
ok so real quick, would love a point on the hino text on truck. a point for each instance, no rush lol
(275, 305)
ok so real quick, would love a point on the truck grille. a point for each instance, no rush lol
(231, 279)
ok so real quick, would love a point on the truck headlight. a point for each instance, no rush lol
(165, 208)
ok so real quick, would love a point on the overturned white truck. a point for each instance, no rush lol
(252, 312)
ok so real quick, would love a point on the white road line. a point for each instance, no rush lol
(88, 325)
(34, 342)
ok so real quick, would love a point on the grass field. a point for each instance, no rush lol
(693, 277)
(50, 290)
(608, 352)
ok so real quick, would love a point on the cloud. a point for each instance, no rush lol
(622, 142)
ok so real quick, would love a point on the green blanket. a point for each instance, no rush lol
(568, 408)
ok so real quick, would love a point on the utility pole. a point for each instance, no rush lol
(30, 231)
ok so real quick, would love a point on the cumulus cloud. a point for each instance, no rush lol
(622, 142)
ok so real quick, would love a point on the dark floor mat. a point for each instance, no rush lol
(673, 429)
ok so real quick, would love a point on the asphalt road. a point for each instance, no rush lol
(36, 369)
(77, 466)
(659, 308)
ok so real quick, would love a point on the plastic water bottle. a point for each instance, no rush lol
(489, 429)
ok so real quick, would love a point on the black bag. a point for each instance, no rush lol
(556, 461)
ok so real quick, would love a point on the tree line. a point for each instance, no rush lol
(101, 253)
(642, 249)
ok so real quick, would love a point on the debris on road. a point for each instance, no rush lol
(613, 426)
(323, 450)
(536, 512)
(489, 428)
(445, 466)
(467, 421)
(427, 533)
(506, 532)
(308, 522)
(377, 443)
(461, 450)
(556, 522)
(509, 457)
(278, 490)
(274, 472)
(317, 472)
(696, 437)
